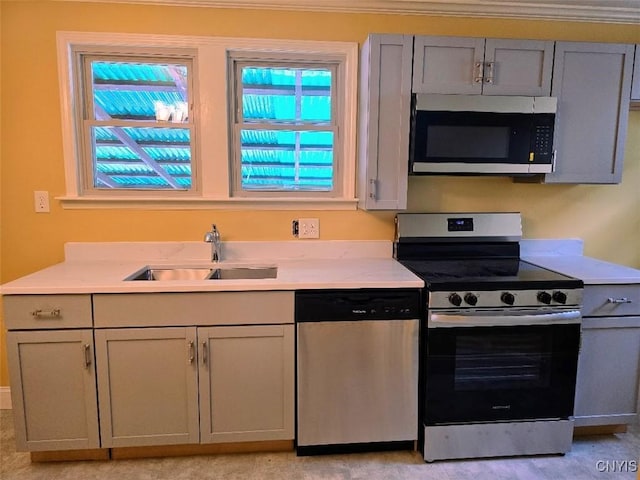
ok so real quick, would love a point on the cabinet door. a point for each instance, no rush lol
(608, 371)
(53, 389)
(517, 67)
(635, 89)
(593, 83)
(448, 65)
(147, 383)
(385, 107)
(246, 383)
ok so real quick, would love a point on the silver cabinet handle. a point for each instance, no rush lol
(192, 352)
(373, 184)
(477, 72)
(204, 353)
(619, 300)
(488, 72)
(87, 355)
(53, 313)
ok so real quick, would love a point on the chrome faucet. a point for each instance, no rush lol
(213, 237)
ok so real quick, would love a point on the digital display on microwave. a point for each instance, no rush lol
(456, 141)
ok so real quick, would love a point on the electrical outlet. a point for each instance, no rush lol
(308, 228)
(41, 199)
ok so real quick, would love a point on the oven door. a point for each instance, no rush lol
(501, 372)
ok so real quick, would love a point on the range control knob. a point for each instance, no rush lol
(544, 297)
(508, 298)
(455, 299)
(470, 298)
(559, 296)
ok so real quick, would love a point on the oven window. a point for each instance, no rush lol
(455, 141)
(502, 361)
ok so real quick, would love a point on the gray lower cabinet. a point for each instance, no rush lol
(167, 369)
(53, 389)
(191, 368)
(593, 84)
(52, 371)
(478, 66)
(187, 385)
(148, 386)
(384, 111)
(246, 383)
(608, 383)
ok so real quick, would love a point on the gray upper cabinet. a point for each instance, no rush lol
(462, 65)
(383, 137)
(635, 89)
(593, 84)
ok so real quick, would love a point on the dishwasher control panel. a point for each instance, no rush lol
(358, 304)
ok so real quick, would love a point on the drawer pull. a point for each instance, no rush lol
(204, 353)
(619, 300)
(192, 352)
(87, 355)
(54, 313)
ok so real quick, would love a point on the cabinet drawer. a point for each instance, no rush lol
(38, 312)
(183, 309)
(611, 300)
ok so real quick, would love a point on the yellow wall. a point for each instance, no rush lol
(606, 217)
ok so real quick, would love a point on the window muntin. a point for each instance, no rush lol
(137, 127)
(285, 128)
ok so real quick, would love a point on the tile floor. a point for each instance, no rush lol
(581, 463)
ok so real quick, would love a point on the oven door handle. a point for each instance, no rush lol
(498, 319)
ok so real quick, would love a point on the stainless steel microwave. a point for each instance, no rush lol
(475, 134)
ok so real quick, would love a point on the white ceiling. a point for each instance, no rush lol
(610, 11)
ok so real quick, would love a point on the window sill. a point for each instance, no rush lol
(208, 203)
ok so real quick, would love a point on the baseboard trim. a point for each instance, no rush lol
(5, 398)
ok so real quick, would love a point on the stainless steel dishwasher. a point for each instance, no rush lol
(357, 369)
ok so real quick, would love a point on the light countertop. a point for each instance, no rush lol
(590, 270)
(102, 268)
(565, 256)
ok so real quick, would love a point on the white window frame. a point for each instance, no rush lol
(84, 102)
(214, 180)
(236, 62)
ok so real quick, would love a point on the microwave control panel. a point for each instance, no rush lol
(543, 140)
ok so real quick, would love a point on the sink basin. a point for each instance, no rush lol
(172, 274)
(204, 273)
(236, 273)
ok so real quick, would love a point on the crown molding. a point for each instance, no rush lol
(607, 11)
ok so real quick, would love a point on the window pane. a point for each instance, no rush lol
(125, 153)
(286, 160)
(141, 158)
(286, 95)
(139, 91)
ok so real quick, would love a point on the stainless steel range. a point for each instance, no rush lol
(501, 338)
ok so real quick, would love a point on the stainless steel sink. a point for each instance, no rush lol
(237, 273)
(172, 274)
(204, 273)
